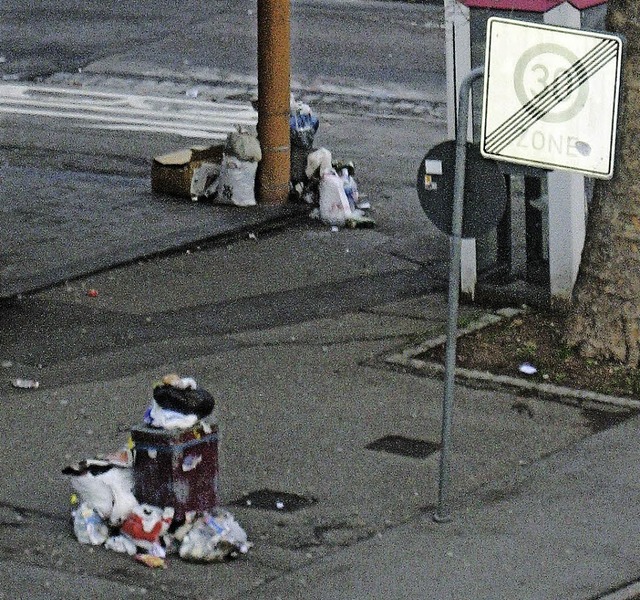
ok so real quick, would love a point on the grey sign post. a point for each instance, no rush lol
(442, 513)
(552, 121)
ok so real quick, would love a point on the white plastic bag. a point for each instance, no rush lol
(244, 145)
(236, 184)
(105, 487)
(319, 160)
(334, 204)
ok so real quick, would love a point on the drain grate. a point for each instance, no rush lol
(398, 444)
(273, 500)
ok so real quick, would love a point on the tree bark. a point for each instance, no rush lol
(604, 318)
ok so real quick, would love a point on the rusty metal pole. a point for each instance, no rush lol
(274, 66)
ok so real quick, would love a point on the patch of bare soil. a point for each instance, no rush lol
(536, 338)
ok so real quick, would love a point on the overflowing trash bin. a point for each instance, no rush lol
(159, 495)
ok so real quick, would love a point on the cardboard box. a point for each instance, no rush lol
(177, 468)
(187, 173)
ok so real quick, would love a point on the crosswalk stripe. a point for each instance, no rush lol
(128, 112)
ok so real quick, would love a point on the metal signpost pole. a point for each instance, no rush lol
(442, 513)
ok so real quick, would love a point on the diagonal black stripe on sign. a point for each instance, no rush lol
(552, 95)
(547, 99)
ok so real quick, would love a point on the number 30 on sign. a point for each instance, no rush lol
(551, 96)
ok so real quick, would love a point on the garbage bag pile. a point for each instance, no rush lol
(105, 511)
(333, 188)
(319, 181)
(222, 173)
(226, 174)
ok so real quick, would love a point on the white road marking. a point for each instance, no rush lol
(127, 112)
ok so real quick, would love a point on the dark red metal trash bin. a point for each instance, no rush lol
(177, 468)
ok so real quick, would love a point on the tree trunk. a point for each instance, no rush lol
(604, 319)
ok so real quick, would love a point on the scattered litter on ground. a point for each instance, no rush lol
(145, 527)
(527, 369)
(330, 187)
(6, 364)
(158, 496)
(155, 562)
(325, 186)
(25, 384)
(212, 537)
(89, 527)
(226, 174)
(92, 293)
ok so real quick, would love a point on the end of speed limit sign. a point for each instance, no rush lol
(551, 96)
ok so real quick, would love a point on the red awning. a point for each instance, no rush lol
(538, 6)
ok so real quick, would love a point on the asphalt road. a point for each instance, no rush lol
(385, 44)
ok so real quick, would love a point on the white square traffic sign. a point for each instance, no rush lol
(551, 96)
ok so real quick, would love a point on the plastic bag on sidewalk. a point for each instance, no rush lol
(244, 145)
(334, 204)
(318, 162)
(236, 184)
(89, 526)
(104, 486)
(212, 537)
(303, 125)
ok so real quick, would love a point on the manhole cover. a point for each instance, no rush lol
(398, 444)
(272, 500)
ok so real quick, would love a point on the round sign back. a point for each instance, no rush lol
(485, 193)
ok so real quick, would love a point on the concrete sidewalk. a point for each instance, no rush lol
(543, 508)
(59, 225)
(565, 527)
